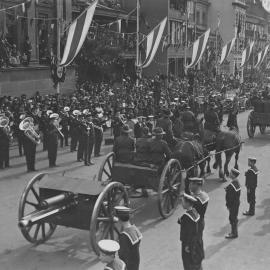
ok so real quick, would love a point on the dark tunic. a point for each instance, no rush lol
(166, 124)
(233, 192)
(142, 150)
(123, 148)
(251, 184)
(192, 248)
(211, 121)
(116, 265)
(129, 241)
(159, 151)
(138, 130)
(189, 121)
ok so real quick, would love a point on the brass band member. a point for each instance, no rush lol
(4, 142)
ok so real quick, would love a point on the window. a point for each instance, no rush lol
(198, 21)
(204, 21)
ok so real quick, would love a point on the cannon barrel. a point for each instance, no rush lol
(51, 209)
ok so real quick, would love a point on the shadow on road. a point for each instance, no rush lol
(265, 229)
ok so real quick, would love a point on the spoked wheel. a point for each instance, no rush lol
(169, 188)
(250, 128)
(262, 129)
(40, 232)
(103, 221)
(105, 171)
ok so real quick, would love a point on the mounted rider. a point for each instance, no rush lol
(188, 118)
(212, 122)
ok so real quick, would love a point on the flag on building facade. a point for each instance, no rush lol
(261, 56)
(246, 54)
(77, 33)
(152, 41)
(226, 50)
(198, 49)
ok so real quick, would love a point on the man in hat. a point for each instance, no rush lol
(129, 239)
(65, 126)
(251, 185)
(81, 136)
(74, 130)
(52, 139)
(124, 146)
(189, 120)
(159, 149)
(5, 137)
(202, 198)
(88, 140)
(192, 248)
(166, 124)
(211, 118)
(98, 127)
(233, 192)
(232, 116)
(117, 124)
(108, 249)
(139, 126)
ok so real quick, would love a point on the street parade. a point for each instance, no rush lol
(133, 139)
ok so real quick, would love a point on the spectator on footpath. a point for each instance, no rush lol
(251, 185)
(129, 239)
(233, 192)
(108, 250)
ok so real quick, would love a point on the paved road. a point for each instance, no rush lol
(160, 248)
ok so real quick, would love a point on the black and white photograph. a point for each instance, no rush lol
(134, 134)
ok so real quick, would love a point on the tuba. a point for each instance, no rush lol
(27, 125)
(4, 124)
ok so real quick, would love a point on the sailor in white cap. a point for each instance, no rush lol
(108, 250)
(189, 234)
(233, 192)
(129, 239)
(251, 185)
(202, 199)
(66, 109)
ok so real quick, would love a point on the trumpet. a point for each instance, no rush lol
(27, 125)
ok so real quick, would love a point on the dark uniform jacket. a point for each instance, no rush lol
(189, 121)
(123, 148)
(166, 124)
(129, 241)
(142, 150)
(138, 130)
(251, 177)
(52, 135)
(233, 192)
(116, 265)
(211, 120)
(159, 151)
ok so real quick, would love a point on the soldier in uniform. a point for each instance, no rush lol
(52, 140)
(65, 126)
(74, 132)
(159, 149)
(81, 135)
(211, 119)
(166, 124)
(232, 117)
(98, 122)
(251, 185)
(117, 124)
(124, 146)
(129, 239)
(233, 192)
(150, 123)
(189, 120)
(139, 126)
(88, 140)
(192, 248)
(4, 148)
(202, 199)
(108, 250)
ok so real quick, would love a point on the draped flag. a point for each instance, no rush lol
(261, 56)
(246, 54)
(226, 50)
(198, 49)
(152, 41)
(77, 34)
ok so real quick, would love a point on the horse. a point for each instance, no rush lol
(227, 141)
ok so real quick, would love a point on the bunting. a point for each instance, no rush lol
(198, 49)
(261, 56)
(77, 33)
(152, 41)
(226, 50)
(246, 54)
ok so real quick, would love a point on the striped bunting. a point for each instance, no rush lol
(246, 54)
(151, 42)
(198, 49)
(226, 50)
(261, 56)
(77, 34)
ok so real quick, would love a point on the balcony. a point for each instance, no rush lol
(240, 3)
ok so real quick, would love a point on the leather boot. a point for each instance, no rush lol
(233, 233)
(250, 212)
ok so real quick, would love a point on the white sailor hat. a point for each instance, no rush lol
(66, 109)
(235, 172)
(22, 116)
(86, 111)
(76, 112)
(189, 198)
(252, 159)
(54, 116)
(49, 112)
(196, 180)
(150, 116)
(108, 247)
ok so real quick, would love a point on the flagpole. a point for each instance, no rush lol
(137, 43)
(58, 40)
(186, 45)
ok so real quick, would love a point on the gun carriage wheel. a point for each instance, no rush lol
(103, 223)
(105, 171)
(30, 203)
(250, 127)
(169, 188)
